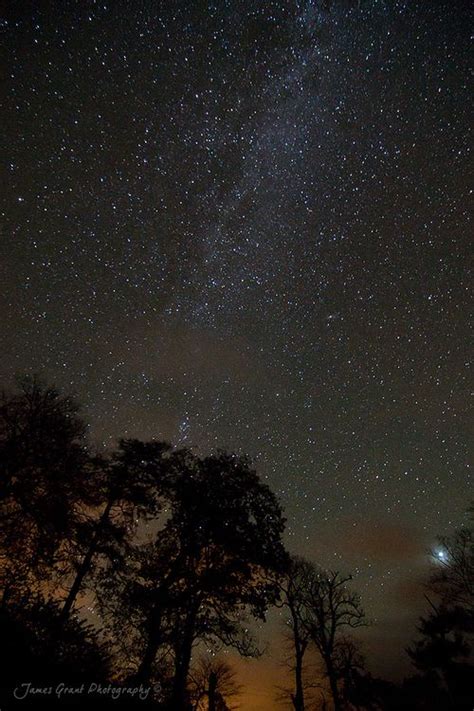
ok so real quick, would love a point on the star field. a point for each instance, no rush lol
(246, 225)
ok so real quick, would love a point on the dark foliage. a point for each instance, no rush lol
(173, 549)
(114, 569)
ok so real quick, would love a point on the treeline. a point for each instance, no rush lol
(321, 610)
(136, 568)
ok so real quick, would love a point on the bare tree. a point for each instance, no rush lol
(294, 587)
(213, 685)
(321, 609)
(330, 608)
(351, 670)
(453, 577)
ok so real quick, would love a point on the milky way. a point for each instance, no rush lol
(244, 225)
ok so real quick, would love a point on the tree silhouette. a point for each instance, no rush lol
(442, 654)
(177, 550)
(358, 688)
(211, 562)
(35, 654)
(125, 488)
(330, 609)
(452, 579)
(294, 586)
(321, 609)
(212, 685)
(44, 473)
(132, 592)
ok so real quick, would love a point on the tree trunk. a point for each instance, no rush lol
(85, 566)
(212, 691)
(154, 631)
(153, 642)
(298, 697)
(144, 671)
(331, 672)
(183, 661)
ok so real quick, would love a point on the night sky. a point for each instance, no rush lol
(245, 225)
